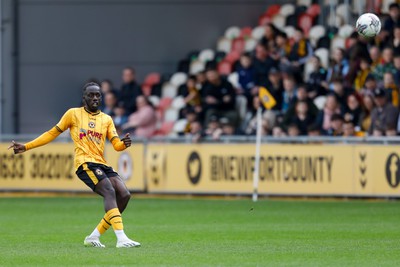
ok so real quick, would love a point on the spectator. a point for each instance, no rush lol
(289, 93)
(336, 128)
(219, 97)
(110, 102)
(341, 92)
(275, 87)
(119, 117)
(316, 83)
(313, 130)
(392, 91)
(277, 131)
(142, 123)
(362, 74)
(301, 96)
(365, 117)
(384, 116)
(339, 68)
(391, 131)
(348, 129)
(395, 41)
(300, 53)
(283, 46)
(357, 47)
(212, 126)
(268, 40)
(396, 63)
(375, 55)
(293, 130)
(369, 86)
(191, 94)
(227, 128)
(353, 109)
(196, 131)
(245, 71)
(107, 86)
(390, 23)
(301, 118)
(262, 64)
(191, 116)
(386, 64)
(324, 117)
(130, 90)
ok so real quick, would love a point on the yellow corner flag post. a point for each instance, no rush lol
(268, 101)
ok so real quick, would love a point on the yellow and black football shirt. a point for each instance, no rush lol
(88, 131)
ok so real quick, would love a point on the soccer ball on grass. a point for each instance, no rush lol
(368, 25)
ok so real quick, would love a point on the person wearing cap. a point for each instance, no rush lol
(384, 116)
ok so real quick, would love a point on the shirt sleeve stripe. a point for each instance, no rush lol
(58, 129)
(113, 138)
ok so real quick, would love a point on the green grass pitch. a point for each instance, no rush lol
(202, 232)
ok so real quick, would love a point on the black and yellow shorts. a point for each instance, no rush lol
(91, 173)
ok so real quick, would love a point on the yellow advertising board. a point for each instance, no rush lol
(129, 164)
(377, 170)
(227, 168)
(51, 167)
(324, 170)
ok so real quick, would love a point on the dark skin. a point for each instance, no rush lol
(113, 189)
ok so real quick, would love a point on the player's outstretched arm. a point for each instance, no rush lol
(44, 139)
(17, 147)
(121, 144)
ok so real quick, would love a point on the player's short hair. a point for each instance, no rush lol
(88, 85)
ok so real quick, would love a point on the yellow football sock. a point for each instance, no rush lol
(103, 225)
(114, 217)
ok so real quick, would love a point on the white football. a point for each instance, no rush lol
(368, 25)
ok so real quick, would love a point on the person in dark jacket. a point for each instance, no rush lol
(219, 97)
(130, 90)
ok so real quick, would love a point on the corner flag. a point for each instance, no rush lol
(266, 98)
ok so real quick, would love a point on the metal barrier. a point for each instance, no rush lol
(384, 140)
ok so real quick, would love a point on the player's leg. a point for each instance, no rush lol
(113, 215)
(122, 193)
(90, 179)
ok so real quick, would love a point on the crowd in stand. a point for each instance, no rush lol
(360, 90)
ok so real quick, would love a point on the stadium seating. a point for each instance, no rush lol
(224, 68)
(272, 10)
(168, 90)
(235, 40)
(250, 44)
(178, 78)
(206, 55)
(232, 32)
(224, 44)
(171, 114)
(246, 32)
(287, 9)
(233, 78)
(315, 33)
(258, 32)
(196, 66)
(279, 21)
